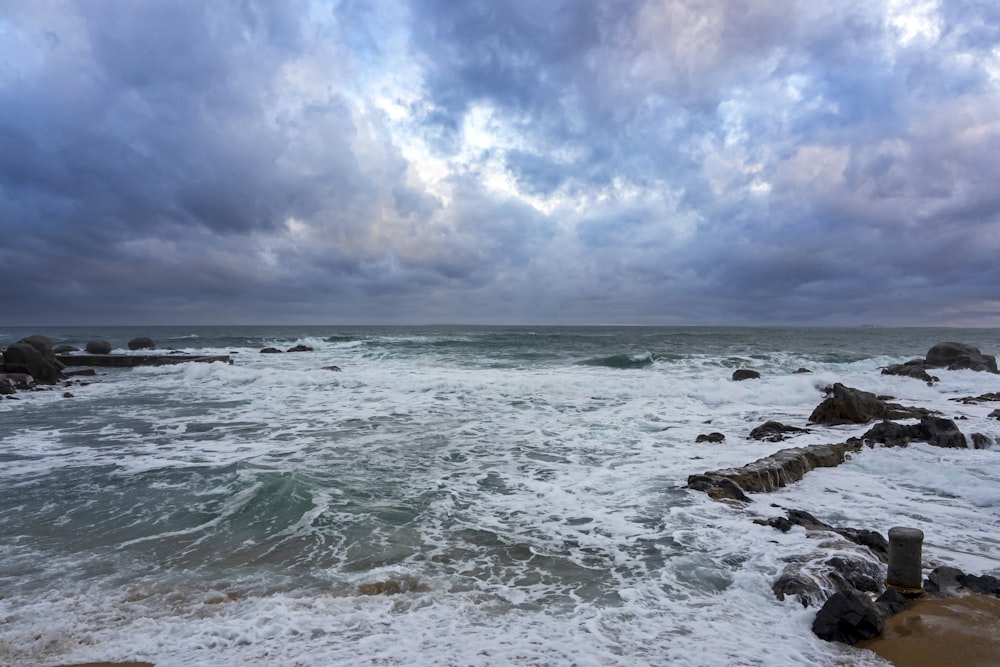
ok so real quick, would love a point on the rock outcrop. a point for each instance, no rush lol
(141, 343)
(33, 355)
(960, 356)
(848, 617)
(774, 431)
(714, 436)
(846, 405)
(744, 374)
(98, 347)
(771, 472)
(916, 369)
(936, 431)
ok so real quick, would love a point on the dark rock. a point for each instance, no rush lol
(803, 370)
(775, 471)
(717, 488)
(6, 388)
(891, 602)
(332, 368)
(299, 348)
(744, 374)
(936, 431)
(23, 357)
(715, 436)
(855, 574)
(807, 520)
(270, 350)
(981, 441)
(874, 540)
(773, 431)
(806, 590)
(64, 349)
(912, 371)
(141, 343)
(98, 347)
(982, 398)
(779, 522)
(88, 372)
(959, 356)
(848, 617)
(67, 395)
(845, 405)
(21, 381)
(994, 415)
(985, 584)
(942, 581)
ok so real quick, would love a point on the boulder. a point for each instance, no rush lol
(801, 370)
(981, 441)
(141, 343)
(98, 347)
(332, 368)
(994, 415)
(23, 357)
(803, 588)
(270, 350)
(715, 436)
(891, 602)
(936, 431)
(959, 356)
(299, 348)
(916, 371)
(848, 617)
(855, 574)
(64, 349)
(846, 405)
(744, 374)
(773, 431)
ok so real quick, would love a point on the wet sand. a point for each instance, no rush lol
(958, 632)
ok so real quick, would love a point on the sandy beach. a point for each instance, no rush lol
(959, 632)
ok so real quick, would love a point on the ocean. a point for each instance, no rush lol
(459, 496)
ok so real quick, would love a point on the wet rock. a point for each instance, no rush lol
(981, 441)
(299, 348)
(960, 356)
(936, 431)
(715, 436)
(982, 398)
(855, 574)
(799, 586)
(270, 350)
(141, 343)
(775, 471)
(332, 368)
(67, 395)
(803, 370)
(744, 374)
(846, 405)
(909, 369)
(943, 581)
(6, 388)
(98, 347)
(24, 357)
(65, 349)
(848, 617)
(717, 488)
(891, 602)
(994, 415)
(873, 540)
(773, 431)
(84, 372)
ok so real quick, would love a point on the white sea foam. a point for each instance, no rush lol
(529, 512)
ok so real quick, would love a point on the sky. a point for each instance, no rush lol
(673, 162)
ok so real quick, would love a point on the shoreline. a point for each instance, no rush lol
(961, 631)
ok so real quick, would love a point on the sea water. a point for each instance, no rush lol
(459, 496)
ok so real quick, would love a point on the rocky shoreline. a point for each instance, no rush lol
(854, 602)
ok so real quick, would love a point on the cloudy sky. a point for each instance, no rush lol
(500, 161)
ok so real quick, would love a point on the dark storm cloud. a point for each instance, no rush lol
(683, 161)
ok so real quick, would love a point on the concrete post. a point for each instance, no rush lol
(905, 572)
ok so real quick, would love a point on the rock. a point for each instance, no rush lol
(943, 581)
(985, 584)
(98, 347)
(744, 374)
(981, 441)
(22, 357)
(801, 370)
(994, 415)
(775, 471)
(299, 348)
(873, 540)
(141, 343)
(855, 574)
(848, 617)
(332, 368)
(959, 356)
(717, 488)
(990, 397)
(846, 405)
(21, 381)
(805, 589)
(715, 436)
(64, 349)
(270, 350)
(89, 372)
(936, 431)
(911, 370)
(773, 431)
(67, 395)
(6, 388)
(891, 602)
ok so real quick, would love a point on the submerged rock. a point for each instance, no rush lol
(773, 431)
(936, 431)
(744, 374)
(270, 350)
(714, 436)
(913, 369)
(141, 343)
(299, 348)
